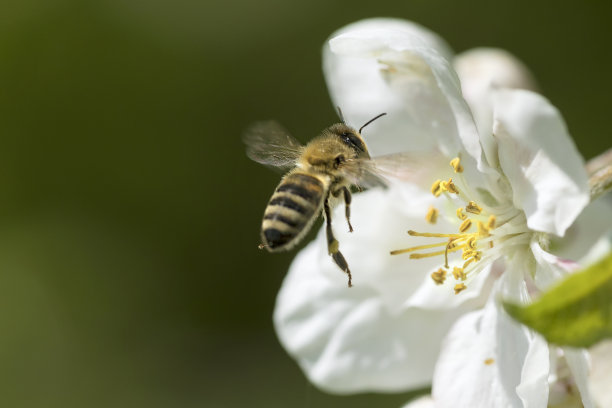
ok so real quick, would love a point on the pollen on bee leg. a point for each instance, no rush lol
(432, 215)
(456, 165)
(459, 287)
(439, 276)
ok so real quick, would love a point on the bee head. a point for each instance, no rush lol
(351, 139)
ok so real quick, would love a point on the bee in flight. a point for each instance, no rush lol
(319, 174)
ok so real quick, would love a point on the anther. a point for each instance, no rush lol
(473, 208)
(449, 186)
(436, 190)
(459, 274)
(439, 276)
(456, 165)
(460, 214)
(459, 287)
(483, 231)
(465, 225)
(432, 215)
(491, 222)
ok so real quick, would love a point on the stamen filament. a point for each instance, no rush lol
(417, 248)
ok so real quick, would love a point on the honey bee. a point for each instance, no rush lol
(319, 174)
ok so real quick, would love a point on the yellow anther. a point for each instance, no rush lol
(472, 243)
(456, 164)
(459, 274)
(459, 287)
(477, 256)
(465, 225)
(483, 231)
(491, 222)
(439, 276)
(473, 208)
(467, 254)
(449, 186)
(432, 215)
(436, 188)
(460, 214)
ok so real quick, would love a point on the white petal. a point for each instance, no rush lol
(363, 338)
(601, 373)
(488, 360)
(549, 268)
(481, 71)
(421, 402)
(578, 362)
(591, 225)
(385, 66)
(542, 163)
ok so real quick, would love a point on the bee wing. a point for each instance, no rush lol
(378, 171)
(270, 144)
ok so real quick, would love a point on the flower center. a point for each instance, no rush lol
(475, 239)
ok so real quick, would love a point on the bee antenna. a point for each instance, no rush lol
(340, 114)
(371, 120)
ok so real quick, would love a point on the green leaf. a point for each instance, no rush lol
(577, 312)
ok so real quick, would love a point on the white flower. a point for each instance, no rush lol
(516, 179)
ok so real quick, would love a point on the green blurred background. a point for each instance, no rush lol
(129, 213)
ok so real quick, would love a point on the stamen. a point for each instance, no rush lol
(449, 186)
(460, 214)
(491, 222)
(435, 188)
(432, 215)
(465, 225)
(459, 274)
(417, 248)
(473, 208)
(430, 254)
(456, 165)
(483, 231)
(439, 276)
(433, 234)
(459, 287)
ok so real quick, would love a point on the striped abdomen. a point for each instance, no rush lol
(291, 211)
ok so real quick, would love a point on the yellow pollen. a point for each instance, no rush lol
(460, 214)
(456, 165)
(473, 208)
(439, 276)
(432, 215)
(491, 222)
(459, 274)
(459, 287)
(471, 243)
(465, 225)
(449, 186)
(483, 231)
(436, 189)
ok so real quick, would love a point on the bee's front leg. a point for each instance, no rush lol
(347, 204)
(332, 244)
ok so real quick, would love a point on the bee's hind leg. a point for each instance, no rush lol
(333, 246)
(347, 204)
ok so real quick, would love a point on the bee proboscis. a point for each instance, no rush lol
(323, 169)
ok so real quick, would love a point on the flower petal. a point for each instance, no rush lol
(537, 155)
(488, 360)
(482, 71)
(391, 66)
(578, 363)
(421, 402)
(362, 338)
(600, 376)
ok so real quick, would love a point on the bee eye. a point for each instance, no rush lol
(353, 141)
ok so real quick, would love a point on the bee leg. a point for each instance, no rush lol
(333, 246)
(347, 204)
